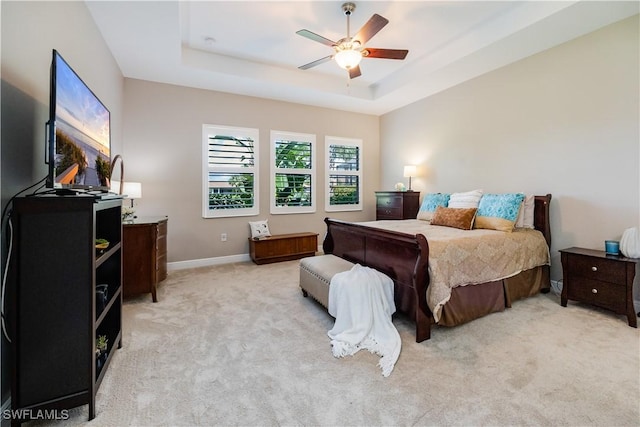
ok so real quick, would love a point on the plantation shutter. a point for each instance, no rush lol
(292, 189)
(231, 174)
(344, 174)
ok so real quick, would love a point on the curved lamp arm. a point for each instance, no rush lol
(113, 162)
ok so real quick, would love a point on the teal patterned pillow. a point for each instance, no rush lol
(498, 211)
(430, 203)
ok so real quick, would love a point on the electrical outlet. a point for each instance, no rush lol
(223, 237)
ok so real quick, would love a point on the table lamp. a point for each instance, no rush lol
(409, 171)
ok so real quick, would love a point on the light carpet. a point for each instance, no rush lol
(237, 344)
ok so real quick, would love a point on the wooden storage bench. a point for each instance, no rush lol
(283, 247)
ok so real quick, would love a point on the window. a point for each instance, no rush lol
(230, 171)
(292, 172)
(343, 174)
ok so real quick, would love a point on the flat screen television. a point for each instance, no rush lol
(79, 133)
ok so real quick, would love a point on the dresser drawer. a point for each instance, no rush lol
(389, 201)
(388, 213)
(603, 294)
(598, 269)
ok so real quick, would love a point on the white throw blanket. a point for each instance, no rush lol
(361, 300)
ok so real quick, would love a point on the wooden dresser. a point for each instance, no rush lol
(144, 242)
(593, 277)
(397, 204)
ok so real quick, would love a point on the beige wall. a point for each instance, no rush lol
(163, 151)
(563, 122)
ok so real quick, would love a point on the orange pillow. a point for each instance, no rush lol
(461, 218)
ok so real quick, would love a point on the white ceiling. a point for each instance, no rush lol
(251, 47)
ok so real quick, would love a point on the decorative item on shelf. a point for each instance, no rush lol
(127, 213)
(410, 171)
(101, 350)
(102, 297)
(630, 243)
(101, 245)
(612, 247)
(400, 186)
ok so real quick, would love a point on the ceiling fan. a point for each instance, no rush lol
(349, 51)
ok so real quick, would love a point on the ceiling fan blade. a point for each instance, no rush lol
(372, 52)
(315, 37)
(370, 29)
(354, 72)
(316, 62)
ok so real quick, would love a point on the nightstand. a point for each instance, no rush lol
(596, 278)
(144, 258)
(397, 204)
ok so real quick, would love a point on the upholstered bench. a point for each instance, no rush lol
(316, 273)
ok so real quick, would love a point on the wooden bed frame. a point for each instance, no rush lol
(404, 258)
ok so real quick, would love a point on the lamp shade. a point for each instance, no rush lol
(132, 190)
(409, 171)
(348, 58)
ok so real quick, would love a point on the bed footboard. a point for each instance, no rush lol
(402, 257)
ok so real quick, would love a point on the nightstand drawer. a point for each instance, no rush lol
(397, 204)
(603, 294)
(389, 202)
(388, 213)
(598, 269)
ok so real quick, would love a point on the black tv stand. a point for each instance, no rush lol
(55, 319)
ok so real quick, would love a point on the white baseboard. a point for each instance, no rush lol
(207, 262)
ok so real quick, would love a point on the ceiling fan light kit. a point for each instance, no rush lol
(349, 51)
(348, 58)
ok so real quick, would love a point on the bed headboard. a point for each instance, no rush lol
(541, 216)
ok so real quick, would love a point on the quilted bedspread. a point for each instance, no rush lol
(467, 257)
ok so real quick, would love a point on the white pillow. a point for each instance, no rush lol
(525, 216)
(469, 199)
(259, 229)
